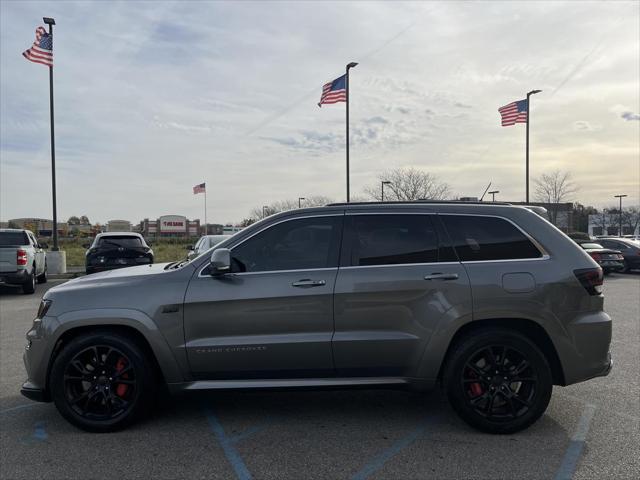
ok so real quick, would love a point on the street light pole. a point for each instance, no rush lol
(493, 194)
(349, 66)
(620, 212)
(382, 184)
(300, 201)
(532, 92)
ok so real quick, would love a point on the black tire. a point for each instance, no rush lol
(498, 403)
(42, 278)
(29, 285)
(87, 397)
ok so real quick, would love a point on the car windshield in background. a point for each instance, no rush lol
(13, 238)
(591, 246)
(125, 242)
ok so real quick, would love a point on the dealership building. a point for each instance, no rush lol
(169, 226)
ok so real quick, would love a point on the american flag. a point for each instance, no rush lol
(334, 92)
(42, 49)
(202, 188)
(515, 112)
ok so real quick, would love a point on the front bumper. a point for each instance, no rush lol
(32, 392)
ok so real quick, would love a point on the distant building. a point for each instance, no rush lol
(609, 224)
(170, 226)
(118, 226)
(213, 229)
(230, 229)
(40, 226)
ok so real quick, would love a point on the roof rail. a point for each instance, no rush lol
(412, 202)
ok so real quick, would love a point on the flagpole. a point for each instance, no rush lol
(349, 66)
(532, 92)
(51, 22)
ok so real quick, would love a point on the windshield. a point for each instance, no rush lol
(13, 238)
(125, 242)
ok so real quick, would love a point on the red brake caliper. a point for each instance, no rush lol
(476, 388)
(121, 389)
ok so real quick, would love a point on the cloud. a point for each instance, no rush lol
(584, 126)
(629, 116)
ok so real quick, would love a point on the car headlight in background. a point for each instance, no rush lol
(43, 308)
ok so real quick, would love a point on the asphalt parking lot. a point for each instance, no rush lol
(591, 430)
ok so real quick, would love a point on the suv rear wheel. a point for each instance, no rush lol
(102, 382)
(498, 381)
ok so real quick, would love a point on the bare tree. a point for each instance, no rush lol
(631, 218)
(408, 184)
(285, 205)
(553, 188)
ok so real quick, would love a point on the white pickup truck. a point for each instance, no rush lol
(23, 261)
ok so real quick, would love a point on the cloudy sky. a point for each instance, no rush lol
(155, 97)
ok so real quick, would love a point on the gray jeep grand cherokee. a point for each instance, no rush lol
(490, 300)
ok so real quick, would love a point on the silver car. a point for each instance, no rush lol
(490, 301)
(23, 261)
(205, 243)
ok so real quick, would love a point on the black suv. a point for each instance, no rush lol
(117, 250)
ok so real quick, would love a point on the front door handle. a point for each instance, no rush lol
(442, 276)
(307, 283)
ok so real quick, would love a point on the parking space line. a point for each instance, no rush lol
(19, 407)
(576, 445)
(232, 454)
(383, 457)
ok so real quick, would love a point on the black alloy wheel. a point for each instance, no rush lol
(100, 383)
(498, 380)
(103, 381)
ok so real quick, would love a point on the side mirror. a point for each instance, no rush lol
(86, 245)
(43, 245)
(189, 247)
(220, 261)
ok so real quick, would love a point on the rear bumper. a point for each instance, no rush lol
(13, 278)
(589, 356)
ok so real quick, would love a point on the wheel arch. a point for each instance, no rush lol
(529, 328)
(151, 342)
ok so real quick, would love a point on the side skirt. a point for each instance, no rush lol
(318, 383)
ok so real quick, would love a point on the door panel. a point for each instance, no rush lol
(272, 317)
(398, 283)
(385, 316)
(258, 325)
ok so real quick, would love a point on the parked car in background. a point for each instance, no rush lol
(23, 261)
(490, 301)
(205, 243)
(117, 250)
(629, 249)
(609, 260)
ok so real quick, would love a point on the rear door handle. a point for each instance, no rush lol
(442, 276)
(307, 283)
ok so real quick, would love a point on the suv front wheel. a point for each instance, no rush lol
(102, 382)
(498, 381)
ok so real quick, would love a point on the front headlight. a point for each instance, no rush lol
(43, 308)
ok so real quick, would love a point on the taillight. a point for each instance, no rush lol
(591, 279)
(22, 257)
(595, 256)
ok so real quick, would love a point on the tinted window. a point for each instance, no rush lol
(126, 242)
(488, 238)
(13, 238)
(393, 239)
(614, 245)
(306, 243)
